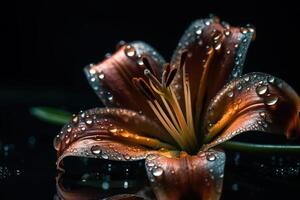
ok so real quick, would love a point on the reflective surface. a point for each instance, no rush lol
(27, 169)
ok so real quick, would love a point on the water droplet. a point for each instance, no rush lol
(246, 78)
(75, 119)
(261, 89)
(96, 150)
(101, 76)
(88, 121)
(92, 71)
(239, 87)
(67, 140)
(207, 23)
(271, 100)
(271, 79)
(227, 32)
(113, 130)
(211, 157)
(105, 185)
(218, 46)
(107, 55)
(140, 62)
(69, 130)
(157, 171)
(125, 184)
(244, 30)
(104, 156)
(127, 157)
(228, 52)
(262, 114)
(230, 94)
(150, 164)
(199, 31)
(130, 51)
(110, 98)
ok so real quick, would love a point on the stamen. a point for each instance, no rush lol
(174, 120)
(152, 78)
(166, 72)
(147, 64)
(183, 58)
(178, 124)
(168, 126)
(143, 87)
(171, 76)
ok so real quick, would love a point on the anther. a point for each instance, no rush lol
(144, 88)
(166, 72)
(183, 58)
(171, 76)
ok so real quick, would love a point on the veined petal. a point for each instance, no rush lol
(111, 79)
(110, 133)
(216, 53)
(255, 101)
(187, 177)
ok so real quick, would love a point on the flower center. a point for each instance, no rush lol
(176, 119)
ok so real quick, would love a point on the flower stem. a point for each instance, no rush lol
(260, 148)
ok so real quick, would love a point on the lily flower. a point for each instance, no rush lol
(174, 115)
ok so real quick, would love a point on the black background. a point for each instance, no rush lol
(45, 45)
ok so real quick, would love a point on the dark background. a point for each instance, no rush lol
(45, 45)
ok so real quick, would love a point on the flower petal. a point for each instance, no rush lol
(111, 79)
(255, 101)
(187, 177)
(110, 133)
(216, 53)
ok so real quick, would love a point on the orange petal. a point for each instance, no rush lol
(255, 101)
(187, 177)
(109, 133)
(111, 79)
(216, 55)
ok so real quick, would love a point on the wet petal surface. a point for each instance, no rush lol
(255, 101)
(187, 177)
(111, 79)
(216, 54)
(109, 133)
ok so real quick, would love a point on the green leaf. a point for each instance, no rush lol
(260, 148)
(51, 115)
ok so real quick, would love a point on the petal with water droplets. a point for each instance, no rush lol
(110, 133)
(187, 177)
(111, 79)
(255, 101)
(216, 53)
